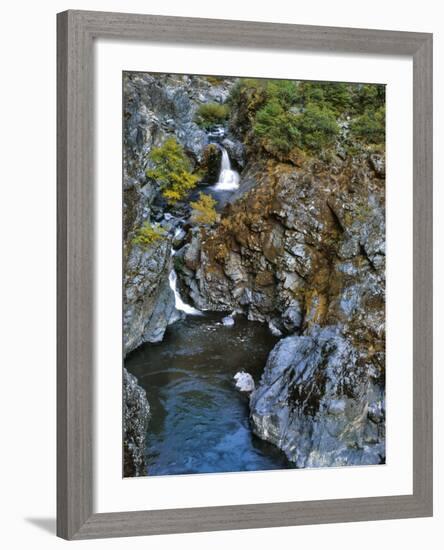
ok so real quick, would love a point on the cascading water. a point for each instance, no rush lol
(228, 178)
(178, 302)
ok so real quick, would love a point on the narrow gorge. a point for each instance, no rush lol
(254, 274)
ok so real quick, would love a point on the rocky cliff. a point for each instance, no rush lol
(303, 249)
(156, 107)
(299, 246)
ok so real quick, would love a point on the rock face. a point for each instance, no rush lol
(136, 413)
(303, 249)
(321, 402)
(148, 298)
(163, 105)
(297, 247)
(156, 107)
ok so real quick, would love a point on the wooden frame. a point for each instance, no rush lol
(76, 32)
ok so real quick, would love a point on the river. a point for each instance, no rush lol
(199, 420)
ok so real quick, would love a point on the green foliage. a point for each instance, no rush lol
(281, 129)
(284, 91)
(277, 128)
(243, 87)
(370, 126)
(336, 97)
(203, 210)
(148, 234)
(318, 127)
(172, 170)
(209, 114)
(368, 97)
(283, 115)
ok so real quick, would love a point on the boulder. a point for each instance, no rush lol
(244, 382)
(319, 404)
(148, 301)
(228, 321)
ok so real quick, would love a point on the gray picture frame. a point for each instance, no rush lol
(76, 32)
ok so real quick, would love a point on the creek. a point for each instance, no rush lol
(199, 420)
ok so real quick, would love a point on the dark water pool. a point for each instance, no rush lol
(199, 421)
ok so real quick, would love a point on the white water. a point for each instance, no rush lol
(228, 178)
(179, 303)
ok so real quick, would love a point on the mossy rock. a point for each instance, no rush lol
(210, 167)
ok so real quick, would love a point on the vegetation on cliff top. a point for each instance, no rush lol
(172, 170)
(281, 115)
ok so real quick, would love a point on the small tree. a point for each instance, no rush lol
(203, 210)
(148, 234)
(172, 170)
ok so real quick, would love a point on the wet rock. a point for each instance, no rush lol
(228, 321)
(316, 401)
(179, 237)
(244, 382)
(148, 301)
(211, 163)
(292, 317)
(274, 329)
(136, 414)
(236, 151)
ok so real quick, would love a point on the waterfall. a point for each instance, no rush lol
(228, 178)
(179, 303)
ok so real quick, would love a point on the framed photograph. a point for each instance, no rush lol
(244, 275)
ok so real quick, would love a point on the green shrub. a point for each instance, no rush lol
(318, 127)
(368, 97)
(209, 114)
(172, 170)
(148, 234)
(281, 130)
(284, 91)
(369, 127)
(336, 97)
(203, 210)
(277, 128)
(285, 114)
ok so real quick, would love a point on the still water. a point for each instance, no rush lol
(199, 421)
